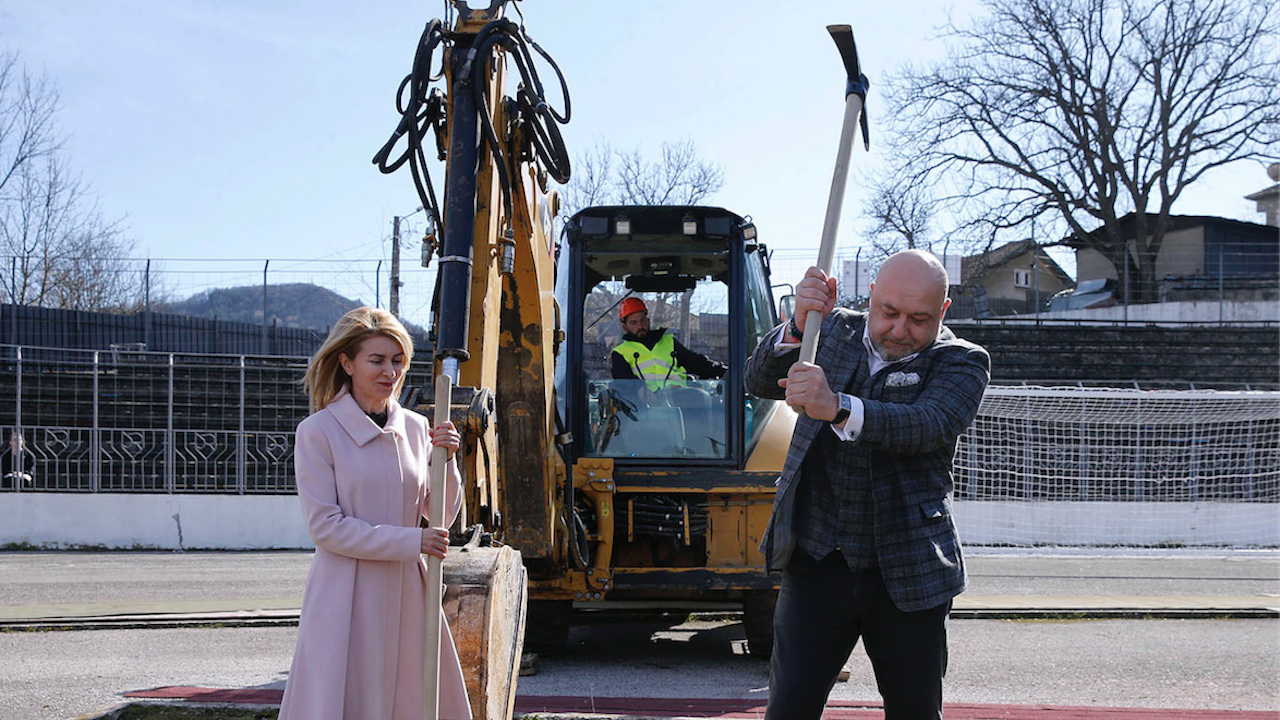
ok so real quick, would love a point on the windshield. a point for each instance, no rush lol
(658, 391)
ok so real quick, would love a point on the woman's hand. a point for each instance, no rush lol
(435, 541)
(446, 436)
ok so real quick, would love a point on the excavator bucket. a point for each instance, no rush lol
(485, 602)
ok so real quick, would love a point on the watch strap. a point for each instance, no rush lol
(845, 409)
(794, 329)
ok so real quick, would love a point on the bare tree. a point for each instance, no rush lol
(592, 181)
(899, 214)
(606, 176)
(1083, 111)
(60, 250)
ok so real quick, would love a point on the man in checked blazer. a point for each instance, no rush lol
(861, 524)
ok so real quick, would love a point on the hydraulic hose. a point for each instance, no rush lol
(540, 121)
(420, 109)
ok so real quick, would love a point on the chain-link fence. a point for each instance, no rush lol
(125, 421)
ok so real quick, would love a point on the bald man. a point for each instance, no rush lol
(861, 524)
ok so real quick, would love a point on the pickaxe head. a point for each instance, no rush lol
(857, 81)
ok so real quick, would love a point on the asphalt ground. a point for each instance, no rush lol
(167, 579)
(1229, 664)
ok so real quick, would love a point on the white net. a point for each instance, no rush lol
(1097, 467)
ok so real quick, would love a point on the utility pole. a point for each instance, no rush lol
(394, 304)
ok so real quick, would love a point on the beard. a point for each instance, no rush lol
(890, 355)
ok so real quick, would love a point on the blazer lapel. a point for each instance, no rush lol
(841, 354)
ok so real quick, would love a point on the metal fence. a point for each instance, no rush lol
(126, 421)
(53, 327)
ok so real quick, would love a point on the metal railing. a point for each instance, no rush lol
(99, 421)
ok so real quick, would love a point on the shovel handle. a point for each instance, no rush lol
(435, 567)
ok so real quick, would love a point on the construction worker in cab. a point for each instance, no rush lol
(654, 355)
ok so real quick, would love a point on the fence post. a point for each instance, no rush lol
(13, 301)
(1035, 268)
(265, 349)
(1139, 466)
(1251, 453)
(1028, 466)
(1082, 484)
(1126, 284)
(95, 436)
(19, 460)
(857, 272)
(1194, 475)
(1220, 287)
(146, 328)
(170, 473)
(241, 440)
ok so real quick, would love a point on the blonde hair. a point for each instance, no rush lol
(325, 377)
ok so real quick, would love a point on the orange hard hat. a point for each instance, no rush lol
(631, 305)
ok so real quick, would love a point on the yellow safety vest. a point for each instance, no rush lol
(657, 366)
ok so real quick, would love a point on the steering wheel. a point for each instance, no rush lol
(610, 404)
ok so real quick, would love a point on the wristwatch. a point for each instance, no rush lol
(846, 407)
(793, 329)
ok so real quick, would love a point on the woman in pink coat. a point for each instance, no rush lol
(362, 473)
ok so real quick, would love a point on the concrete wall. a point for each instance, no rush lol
(1181, 311)
(152, 522)
(243, 522)
(1118, 523)
(1054, 352)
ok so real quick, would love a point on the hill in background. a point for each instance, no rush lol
(300, 305)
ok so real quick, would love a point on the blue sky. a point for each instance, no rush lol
(244, 130)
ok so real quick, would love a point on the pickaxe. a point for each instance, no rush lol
(855, 95)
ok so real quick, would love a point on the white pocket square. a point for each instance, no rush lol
(901, 379)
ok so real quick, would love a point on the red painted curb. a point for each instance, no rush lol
(256, 696)
(749, 709)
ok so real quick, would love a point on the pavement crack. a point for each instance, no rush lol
(177, 518)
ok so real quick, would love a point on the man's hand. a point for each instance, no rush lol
(815, 292)
(808, 391)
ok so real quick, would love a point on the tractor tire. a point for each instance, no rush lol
(757, 620)
(547, 630)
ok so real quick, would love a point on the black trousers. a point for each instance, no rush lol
(823, 608)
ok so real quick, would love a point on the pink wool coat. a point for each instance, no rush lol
(361, 637)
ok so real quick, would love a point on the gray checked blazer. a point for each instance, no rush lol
(909, 435)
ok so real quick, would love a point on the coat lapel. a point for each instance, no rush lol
(358, 425)
(353, 420)
(395, 419)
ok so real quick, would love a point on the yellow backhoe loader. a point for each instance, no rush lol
(608, 487)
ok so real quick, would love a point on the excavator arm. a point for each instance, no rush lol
(495, 322)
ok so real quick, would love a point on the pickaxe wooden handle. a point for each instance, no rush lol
(855, 98)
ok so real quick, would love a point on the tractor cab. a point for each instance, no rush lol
(672, 390)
